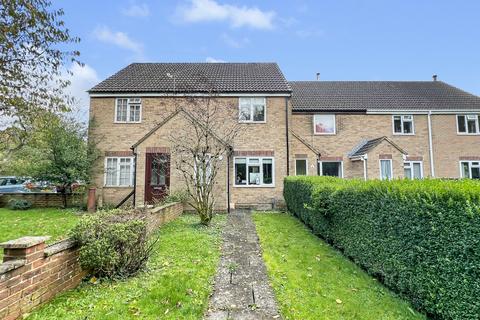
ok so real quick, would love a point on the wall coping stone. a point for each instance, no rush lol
(24, 242)
(156, 209)
(11, 265)
(59, 247)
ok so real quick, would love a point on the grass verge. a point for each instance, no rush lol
(311, 280)
(176, 284)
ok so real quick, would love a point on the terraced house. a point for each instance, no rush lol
(350, 129)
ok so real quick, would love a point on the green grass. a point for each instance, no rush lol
(176, 284)
(312, 280)
(36, 222)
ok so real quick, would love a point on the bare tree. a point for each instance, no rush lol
(201, 147)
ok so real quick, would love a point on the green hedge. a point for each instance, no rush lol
(421, 238)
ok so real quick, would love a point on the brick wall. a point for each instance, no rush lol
(41, 200)
(33, 273)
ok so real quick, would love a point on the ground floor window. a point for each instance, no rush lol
(119, 171)
(470, 169)
(413, 169)
(254, 171)
(301, 167)
(386, 171)
(330, 168)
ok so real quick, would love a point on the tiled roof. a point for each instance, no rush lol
(366, 146)
(196, 77)
(379, 95)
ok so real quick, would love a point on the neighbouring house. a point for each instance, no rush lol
(350, 129)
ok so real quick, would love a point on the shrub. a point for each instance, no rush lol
(421, 238)
(113, 244)
(19, 204)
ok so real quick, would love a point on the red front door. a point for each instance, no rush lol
(157, 176)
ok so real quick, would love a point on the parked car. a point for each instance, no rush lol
(13, 185)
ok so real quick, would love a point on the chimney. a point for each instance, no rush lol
(318, 76)
(434, 77)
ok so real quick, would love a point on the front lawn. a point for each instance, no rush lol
(176, 284)
(36, 222)
(312, 280)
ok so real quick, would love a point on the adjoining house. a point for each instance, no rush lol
(351, 129)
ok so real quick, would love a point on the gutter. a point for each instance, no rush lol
(286, 136)
(430, 144)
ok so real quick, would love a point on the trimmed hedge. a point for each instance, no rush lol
(421, 238)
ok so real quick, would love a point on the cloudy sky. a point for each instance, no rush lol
(343, 40)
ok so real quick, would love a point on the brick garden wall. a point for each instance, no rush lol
(33, 273)
(41, 199)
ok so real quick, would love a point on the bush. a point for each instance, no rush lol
(113, 244)
(19, 204)
(421, 238)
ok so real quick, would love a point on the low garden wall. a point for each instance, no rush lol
(41, 199)
(420, 238)
(33, 273)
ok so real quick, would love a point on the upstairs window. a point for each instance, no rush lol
(254, 172)
(252, 109)
(128, 110)
(403, 124)
(470, 169)
(324, 124)
(468, 124)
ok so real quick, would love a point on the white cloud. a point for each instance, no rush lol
(213, 60)
(136, 10)
(119, 39)
(235, 43)
(81, 79)
(210, 10)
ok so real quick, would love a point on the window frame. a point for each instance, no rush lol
(262, 185)
(411, 168)
(469, 168)
(306, 165)
(380, 168)
(325, 133)
(130, 102)
(320, 168)
(401, 124)
(466, 133)
(118, 185)
(252, 110)
(209, 167)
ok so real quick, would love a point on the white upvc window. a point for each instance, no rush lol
(199, 168)
(128, 110)
(301, 167)
(254, 171)
(470, 169)
(330, 168)
(252, 110)
(386, 169)
(403, 124)
(324, 124)
(413, 169)
(467, 124)
(119, 171)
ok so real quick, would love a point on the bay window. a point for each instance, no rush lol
(119, 171)
(254, 171)
(128, 110)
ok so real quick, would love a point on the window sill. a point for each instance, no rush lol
(467, 134)
(403, 134)
(253, 186)
(324, 134)
(127, 122)
(252, 122)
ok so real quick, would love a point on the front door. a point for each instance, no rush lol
(157, 177)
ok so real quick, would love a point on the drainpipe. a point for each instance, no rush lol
(430, 144)
(286, 134)
(365, 175)
(134, 175)
(229, 156)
